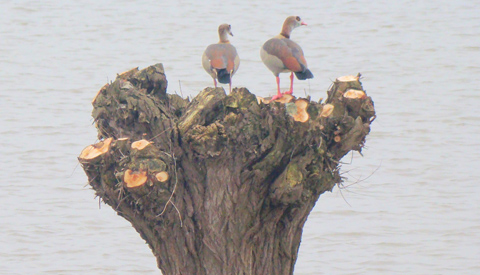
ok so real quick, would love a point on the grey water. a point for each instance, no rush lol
(410, 205)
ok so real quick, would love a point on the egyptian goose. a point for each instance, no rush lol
(221, 60)
(281, 55)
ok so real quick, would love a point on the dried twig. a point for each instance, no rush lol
(174, 187)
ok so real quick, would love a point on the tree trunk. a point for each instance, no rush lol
(242, 173)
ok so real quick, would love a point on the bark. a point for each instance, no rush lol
(243, 173)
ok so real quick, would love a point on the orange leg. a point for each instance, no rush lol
(291, 84)
(279, 94)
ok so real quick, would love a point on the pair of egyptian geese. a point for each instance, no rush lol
(279, 54)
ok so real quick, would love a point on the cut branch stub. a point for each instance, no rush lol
(344, 83)
(213, 183)
(140, 144)
(353, 101)
(162, 176)
(354, 94)
(134, 179)
(353, 112)
(327, 110)
(286, 98)
(298, 110)
(144, 149)
(92, 153)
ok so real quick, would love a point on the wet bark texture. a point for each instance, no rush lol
(243, 175)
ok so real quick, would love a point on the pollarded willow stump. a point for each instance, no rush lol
(222, 184)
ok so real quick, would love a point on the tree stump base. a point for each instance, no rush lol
(222, 184)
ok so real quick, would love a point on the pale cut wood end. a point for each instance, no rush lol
(327, 110)
(134, 178)
(140, 144)
(93, 151)
(162, 176)
(302, 115)
(354, 94)
(348, 78)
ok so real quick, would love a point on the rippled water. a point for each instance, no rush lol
(413, 207)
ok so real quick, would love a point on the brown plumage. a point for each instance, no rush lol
(281, 55)
(221, 60)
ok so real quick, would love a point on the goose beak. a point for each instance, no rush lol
(303, 23)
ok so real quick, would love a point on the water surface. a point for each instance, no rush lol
(412, 206)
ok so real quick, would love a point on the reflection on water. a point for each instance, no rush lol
(413, 207)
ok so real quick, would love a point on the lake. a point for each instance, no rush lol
(410, 205)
